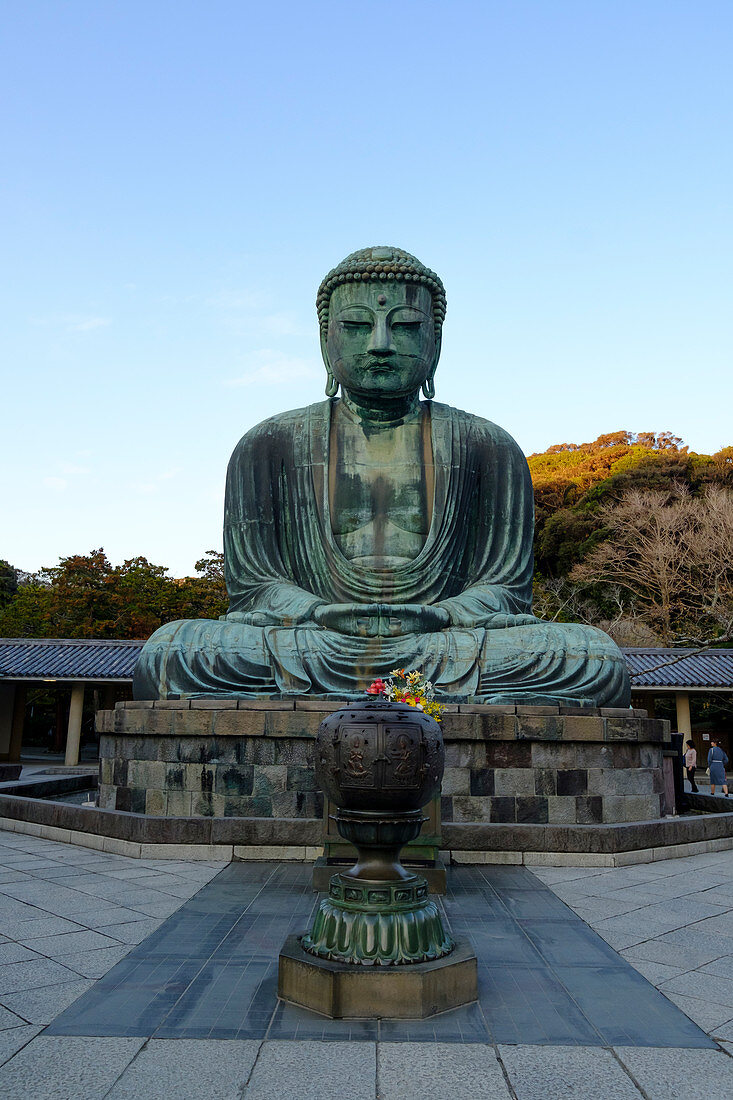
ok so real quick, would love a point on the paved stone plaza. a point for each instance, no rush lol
(126, 978)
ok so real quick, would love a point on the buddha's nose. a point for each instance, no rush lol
(381, 338)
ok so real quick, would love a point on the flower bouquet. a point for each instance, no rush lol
(408, 687)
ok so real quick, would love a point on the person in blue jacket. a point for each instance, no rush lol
(717, 761)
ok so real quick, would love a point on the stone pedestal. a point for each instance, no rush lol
(341, 991)
(505, 766)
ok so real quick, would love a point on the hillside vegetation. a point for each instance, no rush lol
(635, 534)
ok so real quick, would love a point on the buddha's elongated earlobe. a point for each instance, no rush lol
(332, 386)
(428, 386)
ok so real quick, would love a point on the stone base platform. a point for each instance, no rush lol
(142, 836)
(594, 775)
(254, 758)
(412, 992)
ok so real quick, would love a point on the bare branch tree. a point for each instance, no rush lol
(671, 554)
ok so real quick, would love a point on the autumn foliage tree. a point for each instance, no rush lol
(85, 596)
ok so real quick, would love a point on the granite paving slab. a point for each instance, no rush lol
(543, 1073)
(210, 972)
(11, 1041)
(434, 1071)
(211, 1068)
(94, 964)
(42, 1005)
(27, 931)
(9, 1019)
(313, 1071)
(59, 1069)
(31, 974)
(682, 1074)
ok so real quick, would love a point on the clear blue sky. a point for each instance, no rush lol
(177, 177)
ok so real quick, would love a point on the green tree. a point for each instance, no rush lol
(8, 582)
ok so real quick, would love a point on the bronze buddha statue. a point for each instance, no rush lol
(376, 530)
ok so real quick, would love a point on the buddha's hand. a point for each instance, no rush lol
(412, 618)
(501, 621)
(255, 618)
(486, 613)
(381, 620)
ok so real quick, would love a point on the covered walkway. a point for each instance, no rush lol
(680, 674)
(81, 665)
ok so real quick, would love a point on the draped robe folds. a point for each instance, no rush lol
(282, 561)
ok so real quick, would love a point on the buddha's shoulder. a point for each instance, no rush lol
(481, 430)
(277, 430)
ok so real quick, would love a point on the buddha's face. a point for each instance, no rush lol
(381, 338)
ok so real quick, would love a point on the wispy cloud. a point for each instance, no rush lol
(66, 474)
(58, 484)
(269, 367)
(71, 470)
(147, 488)
(89, 323)
(72, 322)
(247, 311)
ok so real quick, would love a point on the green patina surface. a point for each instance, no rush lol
(382, 923)
(376, 530)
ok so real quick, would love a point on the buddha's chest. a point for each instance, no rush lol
(380, 492)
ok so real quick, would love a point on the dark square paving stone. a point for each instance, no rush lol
(561, 945)
(462, 1025)
(530, 1005)
(504, 878)
(225, 1001)
(627, 1010)
(293, 1022)
(499, 942)
(534, 904)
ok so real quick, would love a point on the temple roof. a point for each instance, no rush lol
(680, 668)
(67, 658)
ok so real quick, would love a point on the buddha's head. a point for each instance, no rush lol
(381, 314)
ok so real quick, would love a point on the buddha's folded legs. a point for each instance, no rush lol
(228, 657)
(538, 663)
(564, 663)
(203, 657)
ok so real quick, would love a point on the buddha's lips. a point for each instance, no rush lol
(378, 364)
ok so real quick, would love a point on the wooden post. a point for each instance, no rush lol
(73, 735)
(16, 734)
(682, 702)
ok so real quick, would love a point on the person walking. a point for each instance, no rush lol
(691, 765)
(717, 761)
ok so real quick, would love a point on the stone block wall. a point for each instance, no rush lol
(504, 765)
(552, 768)
(208, 762)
